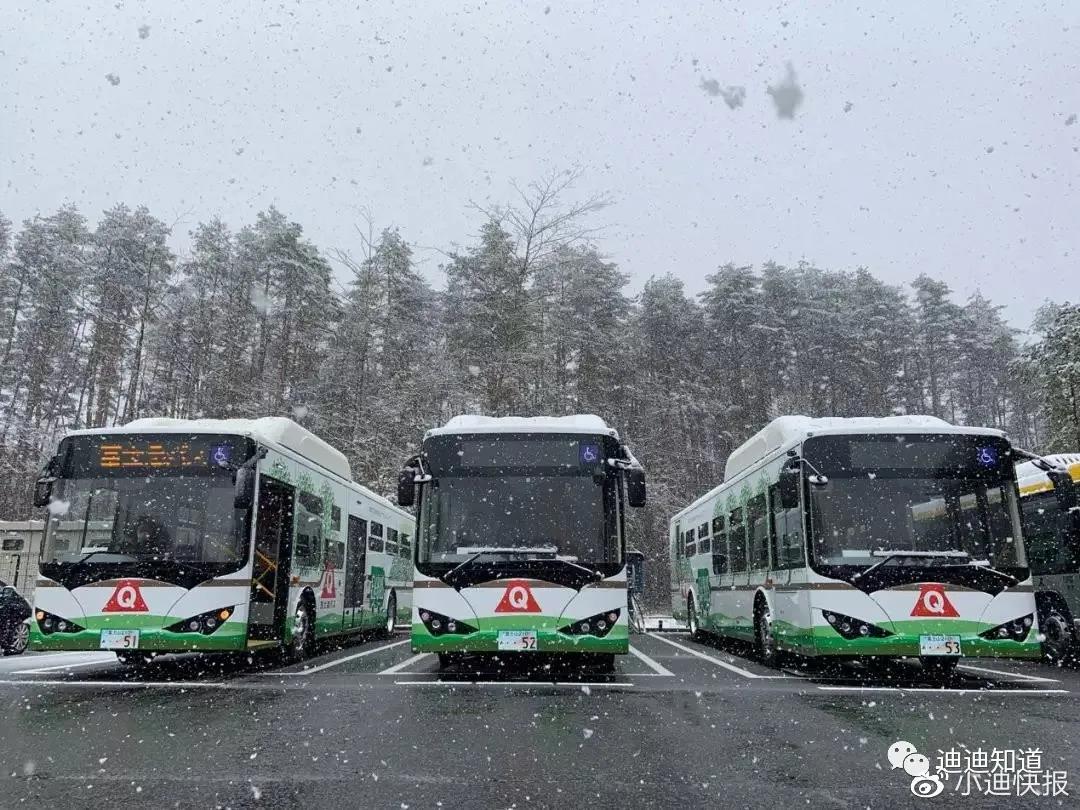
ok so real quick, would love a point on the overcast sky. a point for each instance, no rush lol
(927, 139)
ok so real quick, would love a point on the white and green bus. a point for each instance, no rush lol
(893, 537)
(521, 545)
(1052, 533)
(170, 535)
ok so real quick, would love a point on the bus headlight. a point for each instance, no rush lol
(439, 625)
(599, 625)
(1016, 630)
(50, 623)
(851, 628)
(205, 623)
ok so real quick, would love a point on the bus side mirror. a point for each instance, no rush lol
(406, 487)
(244, 488)
(635, 486)
(43, 491)
(1064, 489)
(788, 487)
(43, 486)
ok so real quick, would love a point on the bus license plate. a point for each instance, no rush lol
(119, 640)
(517, 640)
(939, 645)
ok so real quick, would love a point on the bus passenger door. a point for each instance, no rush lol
(273, 550)
(354, 571)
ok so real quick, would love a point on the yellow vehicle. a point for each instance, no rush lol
(1052, 533)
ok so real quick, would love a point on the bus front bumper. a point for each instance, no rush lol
(229, 636)
(547, 641)
(825, 641)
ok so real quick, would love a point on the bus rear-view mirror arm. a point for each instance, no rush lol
(411, 475)
(1064, 486)
(244, 481)
(44, 485)
(634, 473)
(791, 476)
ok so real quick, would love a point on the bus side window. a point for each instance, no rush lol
(679, 554)
(719, 546)
(689, 544)
(736, 541)
(391, 542)
(758, 525)
(309, 527)
(787, 533)
(405, 545)
(703, 539)
(375, 539)
(336, 550)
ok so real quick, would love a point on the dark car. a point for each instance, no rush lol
(14, 611)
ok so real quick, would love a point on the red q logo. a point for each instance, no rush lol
(932, 602)
(126, 598)
(517, 598)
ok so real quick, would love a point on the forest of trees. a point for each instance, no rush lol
(101, 324)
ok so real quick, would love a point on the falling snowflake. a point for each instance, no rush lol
(787, 95)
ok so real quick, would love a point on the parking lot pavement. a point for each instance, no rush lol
(678, 722)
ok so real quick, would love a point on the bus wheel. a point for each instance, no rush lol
(391, 616)
(764, 640)
(692, 619)
(20, 638)
(1057, 642)
(939, 666)
(303, 634)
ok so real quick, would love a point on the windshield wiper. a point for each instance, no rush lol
(461, 566)
(985, 566)
(584, 575)
(888, 556)
(596, 575)
(86, 559)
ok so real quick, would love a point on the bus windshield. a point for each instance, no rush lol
(144, 505)
(181, 518)
(545, 496)
(889, 494)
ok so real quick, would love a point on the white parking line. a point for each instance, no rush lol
(336, 661)
(111, 659)
(396, 668)
(650, 663)
(136, 684)
(556, 684)
(943, 690)
(1019, 675)
(730, 667)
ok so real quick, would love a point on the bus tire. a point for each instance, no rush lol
(391, 616)
(764, 637)
(1055, 624)
(302, 644)
(692, 619)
